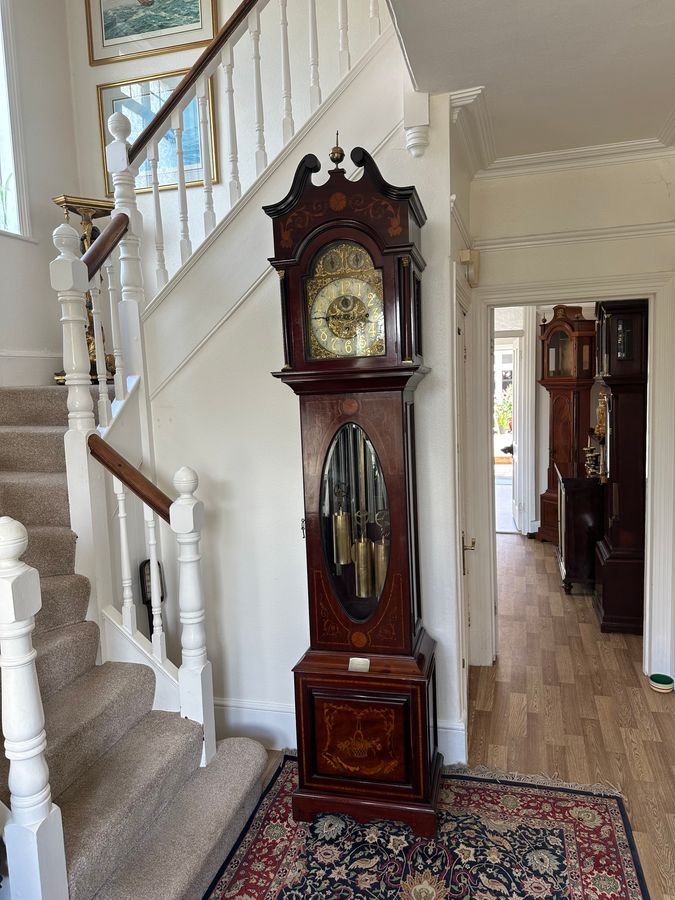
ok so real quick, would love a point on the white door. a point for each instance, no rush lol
(464, 554)
(516, 487)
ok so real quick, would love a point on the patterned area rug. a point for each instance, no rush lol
(497, 840)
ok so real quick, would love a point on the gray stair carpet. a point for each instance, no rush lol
(127, 779)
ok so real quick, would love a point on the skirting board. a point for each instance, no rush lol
(273, 724)
(28, 367)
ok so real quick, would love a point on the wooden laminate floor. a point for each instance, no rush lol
(564, 699)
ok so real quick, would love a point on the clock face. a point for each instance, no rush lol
(345, 309)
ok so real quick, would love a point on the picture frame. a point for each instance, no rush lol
(139, 99)
(120, 30)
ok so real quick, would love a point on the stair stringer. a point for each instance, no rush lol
(367, 108)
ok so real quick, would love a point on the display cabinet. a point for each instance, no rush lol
(567, 362)
(580, 521)
(619, 556)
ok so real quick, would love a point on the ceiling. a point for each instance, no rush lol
(558, 75)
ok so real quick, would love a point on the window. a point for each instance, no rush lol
(12, 214)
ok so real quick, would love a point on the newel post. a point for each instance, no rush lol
(33, 834)
(132, 291)
(86, 490)
(195, 679)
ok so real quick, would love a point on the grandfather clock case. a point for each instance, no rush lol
(567, 362)
(619, 555)
(349, 262)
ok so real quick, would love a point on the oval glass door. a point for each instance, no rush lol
(355, 524)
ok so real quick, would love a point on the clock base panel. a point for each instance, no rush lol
(421, 817)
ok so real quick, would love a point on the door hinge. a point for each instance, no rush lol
(463, 663)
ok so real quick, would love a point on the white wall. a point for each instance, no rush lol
(586, 233)
(30, 339)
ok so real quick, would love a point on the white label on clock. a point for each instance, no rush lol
(359, 664)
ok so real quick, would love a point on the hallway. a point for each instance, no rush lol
(564, 699)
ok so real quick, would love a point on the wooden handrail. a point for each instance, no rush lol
(129, 475)
(182, 88)
(105, 243)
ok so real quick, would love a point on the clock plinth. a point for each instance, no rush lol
(368, 745)
(350, 265)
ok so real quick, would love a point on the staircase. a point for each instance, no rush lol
(141, 819)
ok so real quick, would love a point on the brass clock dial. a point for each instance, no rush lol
(345, 308)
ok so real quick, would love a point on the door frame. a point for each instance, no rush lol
(659, 289)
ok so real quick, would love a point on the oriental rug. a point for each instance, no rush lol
(498, 839)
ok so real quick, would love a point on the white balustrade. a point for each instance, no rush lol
(158, 637)
(128, 605)
(104, 409)
(234, 184)
(287, 124)
(195, 679)
(314, 86)
(344, 58)
(374, 19)
(260, 151)
(205, 126)
(161, 272)
(183, 218)
(33, 834)
(112, 282)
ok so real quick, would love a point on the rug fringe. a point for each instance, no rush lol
(540, 780)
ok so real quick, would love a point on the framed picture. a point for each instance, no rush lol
(127, 29)
(139, 100)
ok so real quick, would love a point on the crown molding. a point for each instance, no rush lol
(578, 289)
(667, 133)
(469, 111)
(580, 236)
(580, 157)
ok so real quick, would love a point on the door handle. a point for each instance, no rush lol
(465, 547)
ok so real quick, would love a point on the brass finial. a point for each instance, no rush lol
(337, 154)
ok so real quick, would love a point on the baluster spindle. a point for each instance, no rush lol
(195, 680)
(112, 282)
(185, 242)
(287, 125)
(374, 18)
(314, 86)
(205, 126)
(227, 62)
(343, 38)
(33, 834)
(128, 605)
(260, 152)
(160, 266)
(104, 410)
(158, 636)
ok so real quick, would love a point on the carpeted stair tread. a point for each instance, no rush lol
(44, 405)
(63, 654)
(51, 550)
(32, 448)
(108, 810)
(35, 498)
(86, 717)
(180, 855)
(65, 599)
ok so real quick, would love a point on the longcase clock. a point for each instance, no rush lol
(567, 361)
(349, 262)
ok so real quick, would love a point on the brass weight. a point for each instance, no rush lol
(362, 554)
(342, 539)
(380, 561)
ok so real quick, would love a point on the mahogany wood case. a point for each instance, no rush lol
(365, 689)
